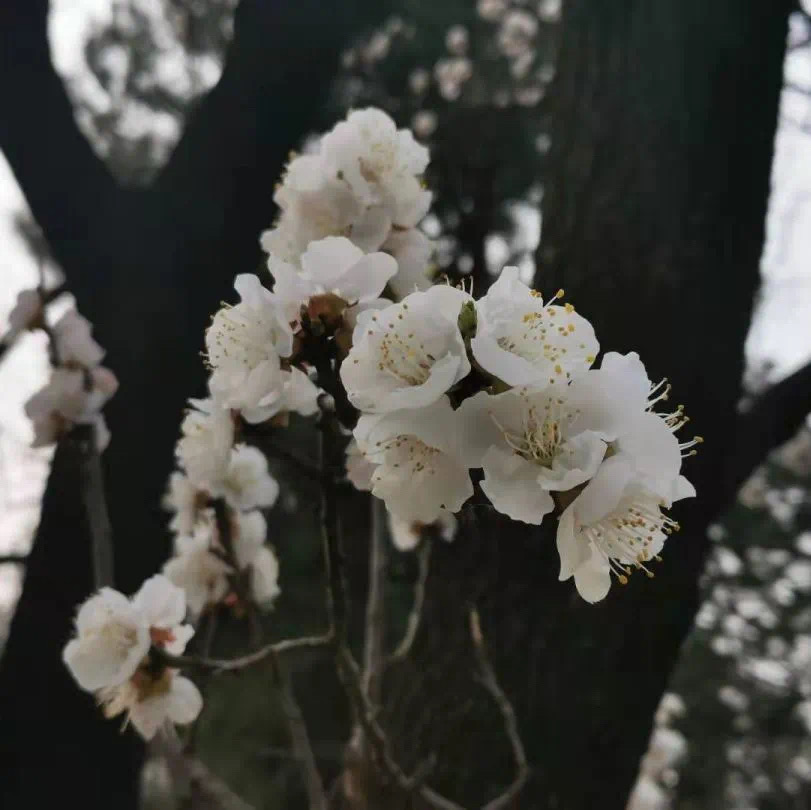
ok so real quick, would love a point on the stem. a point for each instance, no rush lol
(95, 503)
(375, 603)
(415, 617)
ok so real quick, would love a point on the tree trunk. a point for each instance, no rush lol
(664, 119)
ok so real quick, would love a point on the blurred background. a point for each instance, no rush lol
(479, 83)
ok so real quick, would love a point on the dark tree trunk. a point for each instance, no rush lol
(664, 119)
(148, 267)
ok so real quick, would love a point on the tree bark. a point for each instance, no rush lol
(664, 117)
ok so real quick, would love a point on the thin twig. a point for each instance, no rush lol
(299, 737)
(208, 792)
(243, 662)
(415, 616)
(375, 625)
(95, 503)
(488, 679)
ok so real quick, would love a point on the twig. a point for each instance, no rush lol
(375, 603)
(488, 679)
(243, 662)
(8, 339)
(415, 616)
(208, 792)
(95, 503)
(299, 738)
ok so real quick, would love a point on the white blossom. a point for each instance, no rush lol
(408, 354)
(335, 265)
(150, 701)
(529, 443)
(71, 396)
(72, 341)
(358, 468)
(186, 501)
(413, 251)
(523, 342)
(421, 471)
(204, 449)
(113, 633)
(201, 574)
(614, 526)
(380, 163)
(253, 553)
(247, 484)
(245, 345)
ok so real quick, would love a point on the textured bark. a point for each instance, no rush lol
(664, 116)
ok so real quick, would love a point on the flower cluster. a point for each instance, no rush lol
(115, 655)
(439, 390)
(79, 385)
(210, 553)
(447, 384)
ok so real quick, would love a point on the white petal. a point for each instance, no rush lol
(572, 549)
(593, 580)
(160, 602)
(511, 484)
(367, 278)
(603, 492)
(370, 231)
(185, 701)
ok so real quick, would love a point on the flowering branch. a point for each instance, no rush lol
(488, 679)
(375, 603)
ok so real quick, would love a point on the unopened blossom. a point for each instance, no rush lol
(247, 483)
(204, 449)
(413, 251)
(73, 343)
(530, 444)
(380, 163)
(615, 526)
(27, 312)
(406, 535)
(150, 700)
(71, 396)
(408, 354)
(113, 633)
(335, 265)
(421, 471)
(254, 554)
(523, 342)
(202, 574)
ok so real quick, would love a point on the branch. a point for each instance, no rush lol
(205, 664)
(375, 603)
(208, 792)
(415, 617)
(772, 419)
(13, 559)
(487, 676)
(68, 188)
(95, 503)
(299, 738)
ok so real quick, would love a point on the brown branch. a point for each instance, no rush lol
(488, 678)
(207, 791)
(769, 421)
(375, 603)
(415, 617)
(299, 737)
(218, 665)
(95, 503)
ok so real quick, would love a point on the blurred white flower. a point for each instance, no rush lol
(73, 344)
(27, 312)
(247, 484)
